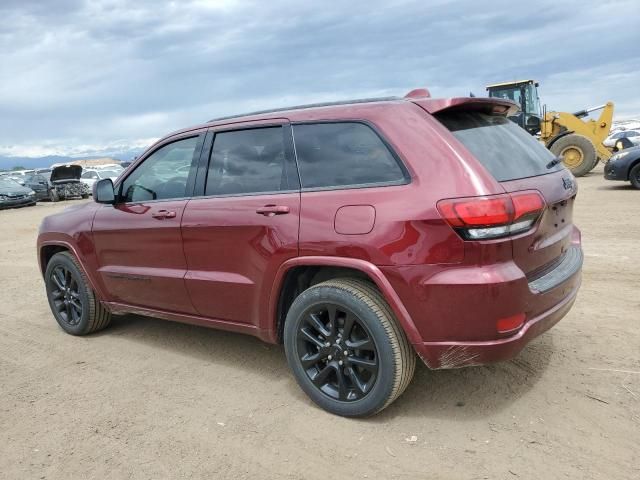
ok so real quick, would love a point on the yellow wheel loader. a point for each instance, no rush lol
(578, 142)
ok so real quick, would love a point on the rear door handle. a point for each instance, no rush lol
(271, 210)
(162, 214)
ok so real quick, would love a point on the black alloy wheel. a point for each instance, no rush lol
(65, 295)
(345, 347)
(337, 352)
(73, 303)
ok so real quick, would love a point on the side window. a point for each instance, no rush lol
(343, 154)
(248, 161)
(160, 176)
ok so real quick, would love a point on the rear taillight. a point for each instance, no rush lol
(494, 216)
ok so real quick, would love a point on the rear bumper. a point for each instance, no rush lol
(444, 355)
(457, 310)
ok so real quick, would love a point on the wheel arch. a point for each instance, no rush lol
(553, 140)
(300, 273)
(47, 249)
(630, 167)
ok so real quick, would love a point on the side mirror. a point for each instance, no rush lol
(103, 191)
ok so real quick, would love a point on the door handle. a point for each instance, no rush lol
(271, 210)
(162, 214)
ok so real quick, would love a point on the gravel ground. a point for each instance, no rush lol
(152, 399)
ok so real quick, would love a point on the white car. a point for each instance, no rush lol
(89, 177)
(632, 135)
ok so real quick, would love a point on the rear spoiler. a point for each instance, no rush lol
(495, 106)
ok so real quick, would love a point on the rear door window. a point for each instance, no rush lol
(251, 161)
(506, 150)
(344, 154)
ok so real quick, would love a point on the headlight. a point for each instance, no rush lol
(620, 155)
(3, 197)
(32, 192)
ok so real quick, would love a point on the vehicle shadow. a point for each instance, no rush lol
(620, 186)
(463, 394)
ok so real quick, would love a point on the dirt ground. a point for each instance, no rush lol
(150, 399)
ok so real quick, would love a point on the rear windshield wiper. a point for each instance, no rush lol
(554, 162)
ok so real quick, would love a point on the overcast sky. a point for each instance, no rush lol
(81, 76)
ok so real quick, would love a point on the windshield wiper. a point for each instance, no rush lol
(554, 162)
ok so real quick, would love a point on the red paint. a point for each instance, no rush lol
(221, 261)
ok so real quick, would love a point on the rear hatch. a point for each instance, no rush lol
(519, 162)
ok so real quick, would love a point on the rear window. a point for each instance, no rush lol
(505, 149)
(344, 154)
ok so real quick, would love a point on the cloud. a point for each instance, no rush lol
(91, 73)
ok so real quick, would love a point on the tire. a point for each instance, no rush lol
(53, 195)
(85, 196)
(577, 152)
(379, 363)
(72, 301)
(634, 176)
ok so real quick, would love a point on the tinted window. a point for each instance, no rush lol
(504, 148)
(632, 134)
(159, 177)
(248, 161)
(342, 154)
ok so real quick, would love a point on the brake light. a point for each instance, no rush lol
(494, 216)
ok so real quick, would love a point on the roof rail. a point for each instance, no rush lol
(310, 105)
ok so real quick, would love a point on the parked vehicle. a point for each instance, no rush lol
(65, 181)
(40, 185)
(116, 167)
(12, 194)
(387, 227)
(632, 135)
(89, 177)
(625, 166)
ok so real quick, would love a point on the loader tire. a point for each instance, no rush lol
(578, 153)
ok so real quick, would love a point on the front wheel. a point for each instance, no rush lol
(346, 349)
(634, 176)
(577, 152)
(72, 301)
(53, 195)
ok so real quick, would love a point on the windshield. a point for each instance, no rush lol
(108, 173)
(8, 183)
(506, 150)
(527, 92)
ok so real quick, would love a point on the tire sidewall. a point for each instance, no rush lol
(64, 260)
(633, 176)
(383, 386)
(590, 158)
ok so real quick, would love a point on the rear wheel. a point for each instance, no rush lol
(346, 349)
(634, 176)
(577, 152)
(72, 301)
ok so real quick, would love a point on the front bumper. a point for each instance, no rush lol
(612, 171)
(19, 202)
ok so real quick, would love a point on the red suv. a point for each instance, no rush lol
(356, 233)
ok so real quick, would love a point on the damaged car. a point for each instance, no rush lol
(12, 194)
(65, 183)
